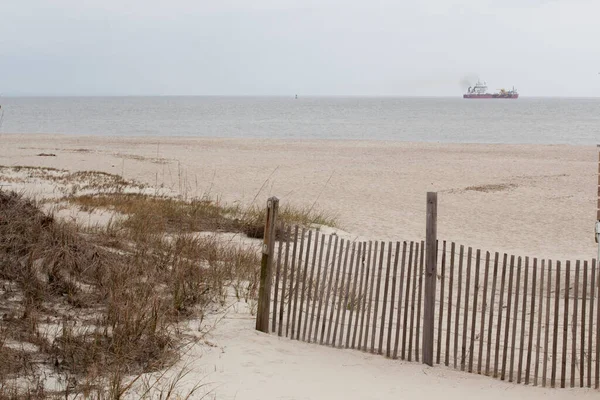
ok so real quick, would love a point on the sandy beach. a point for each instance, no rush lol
(520, 199)
(532, 200)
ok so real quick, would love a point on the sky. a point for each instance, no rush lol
(304, 47)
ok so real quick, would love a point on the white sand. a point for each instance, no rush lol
(246, 364)
(543, 204)
(532, 200)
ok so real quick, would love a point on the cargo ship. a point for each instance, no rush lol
(479, 91)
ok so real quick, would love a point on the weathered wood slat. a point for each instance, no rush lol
(500, 311)
(449, 319)
(335, 287)
(513, 342)
(385, 298)
(538, 342)
(297, 284)
(400, 293)
(340, 293)
(413, 302)
(406, 303)
(377, 292)
(288, 234)
(304, 278)
(532, 314)
(547, 333)
(584, 297)
(555, 327)
(329, 288)
(356, 293)
(574, 328)
(463, 356)
(277, 278)
(371, 270)
(591, 324)
(321, 285)
(362, 295)
(491, 320)
(597, 376)
(458, 296)
(523, 315)
(484, 307)
(318, 263)
(311, 280)
(347, 297)
(441, 313)
(474, 310)
(507, 322)
(388, 352)
(292, 286)
(420, 297)
(353, 302)
(565, 339)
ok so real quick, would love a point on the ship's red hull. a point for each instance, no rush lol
(491, 96)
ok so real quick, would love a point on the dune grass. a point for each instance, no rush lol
(97, 308)
(254, 218)
(168, 214)
(95, 314)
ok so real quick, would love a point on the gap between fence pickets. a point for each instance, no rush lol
(552, 324)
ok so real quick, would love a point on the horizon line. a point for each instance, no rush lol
(11, 95)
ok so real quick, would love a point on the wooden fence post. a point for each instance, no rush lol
(430, 278)
(264, 291)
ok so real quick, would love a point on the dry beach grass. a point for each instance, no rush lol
(95, 307)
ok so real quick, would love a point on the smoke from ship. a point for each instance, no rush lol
(467, 81)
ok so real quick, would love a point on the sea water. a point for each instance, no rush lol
(457, 120)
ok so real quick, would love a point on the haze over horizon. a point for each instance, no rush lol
(310, 47)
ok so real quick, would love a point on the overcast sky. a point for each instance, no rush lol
(308, 47)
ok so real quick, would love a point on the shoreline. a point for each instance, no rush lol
(166, 139)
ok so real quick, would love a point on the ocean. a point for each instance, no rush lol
(456, 120)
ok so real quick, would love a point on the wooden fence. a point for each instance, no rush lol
(522, 319)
